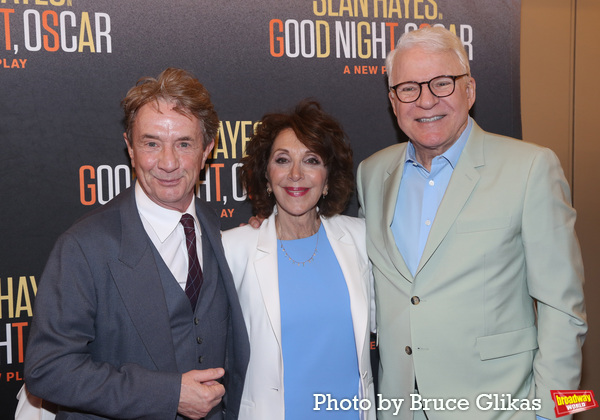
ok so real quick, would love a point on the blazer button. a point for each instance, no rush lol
(200, 359)
(408, 350)
(199, 340)
(196, 321)
(415, 300)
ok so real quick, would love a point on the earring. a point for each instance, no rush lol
(269, 191)
(325, 192)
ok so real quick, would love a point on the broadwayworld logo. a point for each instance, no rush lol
(569, 402)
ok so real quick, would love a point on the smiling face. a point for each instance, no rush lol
(298, 178)
(432, 124)
(167, 151)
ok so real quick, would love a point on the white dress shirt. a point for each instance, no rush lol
(166, 232)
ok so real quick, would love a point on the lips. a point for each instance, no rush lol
(168, 182)
(296, 191)
(430, 119)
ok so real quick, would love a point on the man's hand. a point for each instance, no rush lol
(200, 392)
(255, 222)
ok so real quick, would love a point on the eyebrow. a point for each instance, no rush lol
(155, 137)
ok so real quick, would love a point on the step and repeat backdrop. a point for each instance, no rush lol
(65, 65)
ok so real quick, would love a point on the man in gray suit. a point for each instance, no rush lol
(116, 333)
(478, 273)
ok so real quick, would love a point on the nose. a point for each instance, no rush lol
(427, 99)
(296, 173)
(168, 160)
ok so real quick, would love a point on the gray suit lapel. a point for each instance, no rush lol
(137, 278)
(210, 268)
(238, 346)
(211, 236)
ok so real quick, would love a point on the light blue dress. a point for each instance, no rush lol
(319, 352)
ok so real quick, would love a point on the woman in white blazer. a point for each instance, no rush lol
(303, 277)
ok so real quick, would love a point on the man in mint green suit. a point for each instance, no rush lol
(478, 272)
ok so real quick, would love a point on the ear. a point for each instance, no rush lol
(129, 148)
(471, 85)
(393, 101)
(268, 180)
(207, 150)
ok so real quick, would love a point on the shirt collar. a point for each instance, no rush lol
(163, 221)
(452, 154)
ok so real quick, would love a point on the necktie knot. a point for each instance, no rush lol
(187, 220)
(195, 277)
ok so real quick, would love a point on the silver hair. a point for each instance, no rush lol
(433, 39)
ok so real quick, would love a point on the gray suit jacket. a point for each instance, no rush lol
(465, 324)
(100, 339)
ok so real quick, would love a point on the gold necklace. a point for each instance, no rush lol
(298, 263)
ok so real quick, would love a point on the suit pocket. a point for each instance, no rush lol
(507, 344)
(221, 328)
(480, 225)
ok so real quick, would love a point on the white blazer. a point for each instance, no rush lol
(252, 257)
(31, 407)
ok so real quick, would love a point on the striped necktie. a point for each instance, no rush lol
(194, 278)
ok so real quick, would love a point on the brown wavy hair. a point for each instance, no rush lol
(321, 134)
(182, 89)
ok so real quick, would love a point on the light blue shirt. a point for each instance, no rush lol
(317, 334)
(420, 194)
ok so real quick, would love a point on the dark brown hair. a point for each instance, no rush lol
(182, 89)
(321, 134)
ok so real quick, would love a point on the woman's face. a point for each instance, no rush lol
(297, 176)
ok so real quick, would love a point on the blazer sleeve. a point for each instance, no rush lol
(59, 366)
(359, 188)
(555, 278)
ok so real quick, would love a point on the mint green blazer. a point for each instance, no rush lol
(466, 325)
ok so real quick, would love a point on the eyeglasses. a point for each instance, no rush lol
(440, 86)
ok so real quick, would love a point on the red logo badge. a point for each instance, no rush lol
(569, 402)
